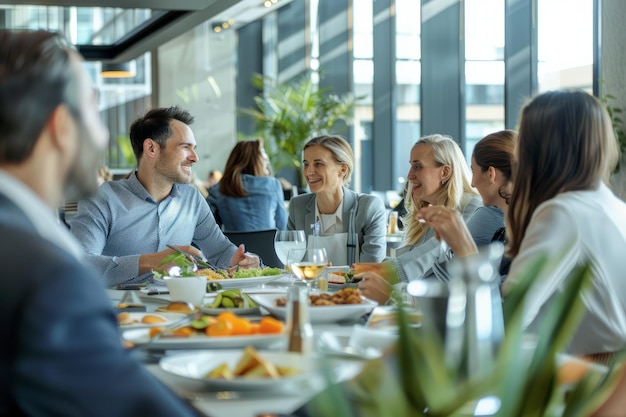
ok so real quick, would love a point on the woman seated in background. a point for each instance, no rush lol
(562, 208)
(247, 198)
(438, 176)
(351, 227)
(492, 162)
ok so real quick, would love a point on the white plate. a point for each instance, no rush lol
(200, 341)
(230, 283)
(337, 287)
(196, 365)
(137, 316)
(206, 308)
(318, 314)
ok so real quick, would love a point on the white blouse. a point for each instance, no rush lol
(571, 228)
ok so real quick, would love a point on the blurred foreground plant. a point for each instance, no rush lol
(415, 379)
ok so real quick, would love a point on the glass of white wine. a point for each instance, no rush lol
(308, 264)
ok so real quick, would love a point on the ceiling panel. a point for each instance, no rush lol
(121, 30)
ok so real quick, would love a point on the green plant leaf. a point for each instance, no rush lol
(288, 114)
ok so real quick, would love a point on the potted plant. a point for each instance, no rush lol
(288, 114)
(415, 379)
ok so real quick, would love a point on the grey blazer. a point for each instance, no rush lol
(370, 222)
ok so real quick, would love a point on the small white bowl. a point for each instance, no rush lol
(190, 289)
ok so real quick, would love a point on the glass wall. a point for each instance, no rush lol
(408, 80)
(565, 40)
(484, 70)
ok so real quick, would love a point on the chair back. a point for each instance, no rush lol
(260, 242)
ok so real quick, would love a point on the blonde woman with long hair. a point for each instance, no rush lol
(438, 176)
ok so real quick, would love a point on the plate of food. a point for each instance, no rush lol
(233, 300)
(346, 304)
(242, 277)
(340, 277)
(246, 369)
(146, 320)
(225, 331)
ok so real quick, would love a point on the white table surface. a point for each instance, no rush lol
(245, 404)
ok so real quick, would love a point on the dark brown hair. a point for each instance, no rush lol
(155, 125)
(497, 150)
(566, 143)
(245, 158)
(35, 77)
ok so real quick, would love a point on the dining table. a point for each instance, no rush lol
(217, 402)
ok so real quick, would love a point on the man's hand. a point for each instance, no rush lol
(154, 261)
(244, 259)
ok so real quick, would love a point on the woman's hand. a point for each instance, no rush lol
(449, 225)
(244, 259)
(374, 287)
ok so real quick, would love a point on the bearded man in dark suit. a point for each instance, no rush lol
(61, 353)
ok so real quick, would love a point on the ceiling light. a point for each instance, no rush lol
(267, 3)
(118, 70)
(219, 26)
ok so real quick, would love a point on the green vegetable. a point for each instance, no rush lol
(186, 265)
(201, 323)
(232, 299)
(256, 272)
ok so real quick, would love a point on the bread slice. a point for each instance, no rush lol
(221, 372)
(152, 319)
(262, 370)
(249, 359)
(124, 319)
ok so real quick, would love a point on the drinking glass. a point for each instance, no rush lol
(286, 240)
(308, 264)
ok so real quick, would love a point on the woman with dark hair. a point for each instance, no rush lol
(561, 207)
(247, 198)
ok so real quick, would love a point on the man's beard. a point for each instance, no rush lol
(82, 179)
(172, 172)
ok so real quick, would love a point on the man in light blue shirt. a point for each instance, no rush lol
(126, 227)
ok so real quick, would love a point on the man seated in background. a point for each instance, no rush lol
(61, 352)
(126, 227)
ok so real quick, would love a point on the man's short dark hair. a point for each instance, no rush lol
(35, 77)
(156, 125)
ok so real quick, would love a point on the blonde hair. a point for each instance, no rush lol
(341, 150)
(445, 152)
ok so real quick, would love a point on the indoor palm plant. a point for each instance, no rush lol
(288, 114)
(415, 379)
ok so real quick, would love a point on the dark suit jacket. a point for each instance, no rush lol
(60, 349)
(371, 221)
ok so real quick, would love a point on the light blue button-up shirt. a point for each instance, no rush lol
(123, 222)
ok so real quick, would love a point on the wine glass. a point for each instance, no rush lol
(311, 265)
(286, 240)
